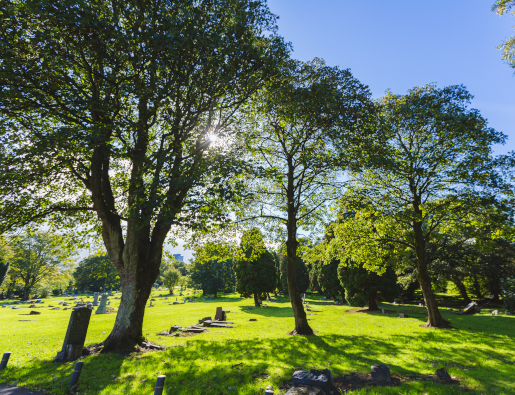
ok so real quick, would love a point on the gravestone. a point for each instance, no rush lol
(381, 374)
(75, 335)
(495, 312)
(314, 378)
(443, 375)
(95, 299)
(471, 308)
(220, 314)
(103, 304)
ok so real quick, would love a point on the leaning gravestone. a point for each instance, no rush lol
(103, 304)
(75, 335)
(95, 299)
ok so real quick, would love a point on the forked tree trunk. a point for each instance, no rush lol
(461, 287)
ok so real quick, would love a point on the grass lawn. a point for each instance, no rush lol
(473, 351)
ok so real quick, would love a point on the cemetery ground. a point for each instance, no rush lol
(478, 351)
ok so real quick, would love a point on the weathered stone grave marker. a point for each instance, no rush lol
(103, 304)
(381, 374)
(95, 299)
(75, 335)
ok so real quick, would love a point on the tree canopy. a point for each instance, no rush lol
(96, 273)
(508, 47)
(436, 166)
(109, 110)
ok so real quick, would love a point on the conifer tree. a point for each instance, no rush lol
(254, 266)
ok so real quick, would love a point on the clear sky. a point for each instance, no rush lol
(399, 44)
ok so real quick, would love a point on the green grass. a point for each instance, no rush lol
(202, 364)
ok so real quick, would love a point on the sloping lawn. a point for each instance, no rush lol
(255, 354)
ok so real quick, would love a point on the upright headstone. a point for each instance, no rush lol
(219, 316)
(75, 335)
(110, 292)
(103, 304)
(95, 299)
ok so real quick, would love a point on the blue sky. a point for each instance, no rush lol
(399, 44)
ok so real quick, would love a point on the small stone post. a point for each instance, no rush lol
(76, 374)
(159, 384)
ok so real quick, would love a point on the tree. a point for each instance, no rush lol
(365, 287)
(4, 269)
(508, 47)
(435, 168)
(171, 278)
(306, 126)
(38, 255)
(210, 272)
(327, 279)
(108, 112)
(301, 271)
(5, 255)
(254, 267)
(96, 273)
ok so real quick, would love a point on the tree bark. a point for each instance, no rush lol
(372, 302)
(434, 318)
(256, 300)
(461, 287)
(301, 323)
(343, 297)
(136, 278)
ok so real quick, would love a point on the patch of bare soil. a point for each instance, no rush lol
(294, 333)
(142, 348)
(355, 381)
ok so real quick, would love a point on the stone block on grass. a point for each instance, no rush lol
(314, 378)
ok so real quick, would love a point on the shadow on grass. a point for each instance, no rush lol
(211, 367)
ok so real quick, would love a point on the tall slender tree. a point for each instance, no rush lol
(303, 129)
(108, 112)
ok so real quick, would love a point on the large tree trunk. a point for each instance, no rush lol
(301, 323)
(343, 297)
(372, 302)
(136, 277)
(461, 287)
(256, 300)
(434, 318)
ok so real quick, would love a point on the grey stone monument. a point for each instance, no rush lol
(103, 303)
(75, 335)
(95, 299)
